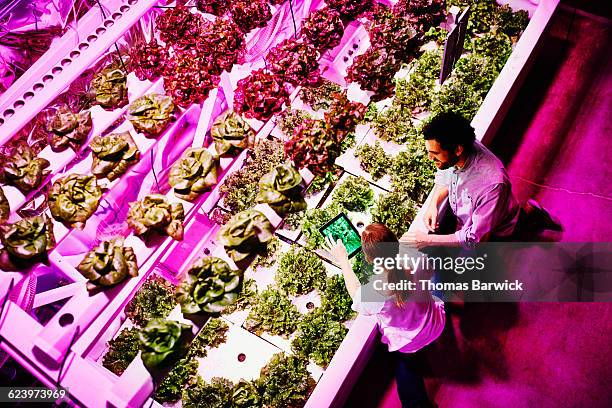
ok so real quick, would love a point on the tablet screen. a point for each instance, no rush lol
(340, 227)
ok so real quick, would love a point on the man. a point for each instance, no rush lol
(474, 181)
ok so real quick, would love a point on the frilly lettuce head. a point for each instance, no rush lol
(151, 113)
(24, 170)
(5, 208)
(113, 155)
(155, 212)
(29, 237)
(194, 173)
(282, 189)
(210, 286)
(108, 264)
(74, 198)
(110, 87)
(163, 342)
(245, 233)
(231, 133)
(68, 129)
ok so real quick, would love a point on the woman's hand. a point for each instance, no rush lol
(337, 251)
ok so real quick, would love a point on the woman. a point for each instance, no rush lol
(408, 319)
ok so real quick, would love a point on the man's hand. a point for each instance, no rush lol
(337, 251)
(431, 217)
(416, 239)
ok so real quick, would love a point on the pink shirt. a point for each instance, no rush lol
(409, 328)
(480, 195)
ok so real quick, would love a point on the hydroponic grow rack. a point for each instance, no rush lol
(65, 348)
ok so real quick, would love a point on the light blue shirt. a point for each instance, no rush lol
(480, 195)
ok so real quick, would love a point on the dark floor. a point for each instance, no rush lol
(556, 143)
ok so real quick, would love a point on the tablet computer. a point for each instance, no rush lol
(341, 228)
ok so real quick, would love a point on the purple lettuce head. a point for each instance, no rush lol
(260, 95)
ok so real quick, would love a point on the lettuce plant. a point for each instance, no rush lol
(155, 212)
(373, 159)
(412, 172)
(231, 133)
(245, 395)
(343, 116)
(323, 28)
(190, 76)
(68, 129)
(28, 238)
(319, 96)
(212, 335)
(300, 271)
(393, 32)
(113, 154)
(354, 194)
(394, 124)
(478, 71)
(294, 61)
(457, 96)
(483, 14)
(361, 268)
(240, 187)
(154, 299)
(74, 198)
(215, 7)
(336, 303)
(316, 218)
(24, 170)
(268, 257)
(151, 113)
(5, 208)
(223, 42)
(350, 9)
(110, 87)
(194, 173)
(216, 394)
(374, 71)
(424, 14)
(246, 297)
(320, 183)
(497, 47)
(274, 313)
(148, 60)
(417, 91)
(209, 286)
(178, 26)
(250, 14)
(291, 119)
(318, 337)
(314, 146)
(182, 375)
(285, 382)
(245, 233)
(121, 351)
(396, 210)
(513, 23)
(162, 342)
(282, 190)
(437, 34)
(260, 95)
(108, 264)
